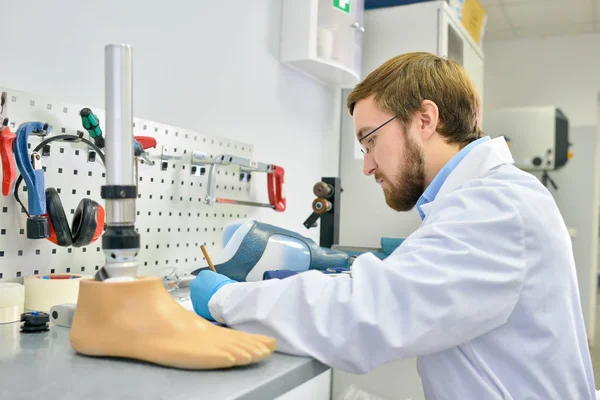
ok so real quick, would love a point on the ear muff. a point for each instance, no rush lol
(60, 233)
(100, 225)
(85, 222)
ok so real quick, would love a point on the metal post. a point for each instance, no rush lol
(120, 241)
(119, 128)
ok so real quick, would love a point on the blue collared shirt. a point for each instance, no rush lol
(432, 190)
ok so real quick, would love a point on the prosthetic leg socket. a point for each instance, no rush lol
(139, 320)
(252, 248)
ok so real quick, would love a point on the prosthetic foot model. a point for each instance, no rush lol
(138, 319)
(252, 247)
(119, 314)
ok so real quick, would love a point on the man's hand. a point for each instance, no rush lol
(203, 288)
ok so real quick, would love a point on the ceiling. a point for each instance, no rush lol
(515, 19)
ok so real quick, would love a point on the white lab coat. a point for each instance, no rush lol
(484, 293)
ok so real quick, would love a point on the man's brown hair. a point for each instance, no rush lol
(401, 84)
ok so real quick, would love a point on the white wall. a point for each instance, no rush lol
(561, 71)
(210, 66)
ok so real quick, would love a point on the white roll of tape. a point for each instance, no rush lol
(12, 300)
(44, 291)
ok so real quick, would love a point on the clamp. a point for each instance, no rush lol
(275, 181)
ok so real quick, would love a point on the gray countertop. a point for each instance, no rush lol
(44, 366)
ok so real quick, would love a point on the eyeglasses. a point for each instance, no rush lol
(365, 148)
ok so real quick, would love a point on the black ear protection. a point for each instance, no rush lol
(86, 227)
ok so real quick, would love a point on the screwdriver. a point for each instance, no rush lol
(91, 124)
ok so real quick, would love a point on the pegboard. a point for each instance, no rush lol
(172, 218)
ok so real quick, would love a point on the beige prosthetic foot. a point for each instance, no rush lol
(139, 320)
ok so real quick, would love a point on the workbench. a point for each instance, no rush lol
(44, 366)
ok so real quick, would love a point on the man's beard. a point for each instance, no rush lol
(403, 193)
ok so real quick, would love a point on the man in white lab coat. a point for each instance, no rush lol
(484, 293)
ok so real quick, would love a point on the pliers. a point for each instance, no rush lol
(9, 169)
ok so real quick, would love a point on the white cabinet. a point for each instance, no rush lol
(430, 26)
(323, 39)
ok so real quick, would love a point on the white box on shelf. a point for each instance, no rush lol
(323, 39)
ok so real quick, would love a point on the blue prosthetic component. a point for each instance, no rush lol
(388, 245)
(229, 230)
(281, 274)
(266, 247)
(34, 179)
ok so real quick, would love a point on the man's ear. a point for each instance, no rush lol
(428, 118)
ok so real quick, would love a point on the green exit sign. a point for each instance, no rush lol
(343, 5)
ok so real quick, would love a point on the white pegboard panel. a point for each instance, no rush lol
(172, 218)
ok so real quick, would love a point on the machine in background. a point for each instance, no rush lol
(538, 137)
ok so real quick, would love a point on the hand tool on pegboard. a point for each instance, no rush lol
(165, 157)
(327, 207)
(88, 220)
(141, 144)
(9, 169)
(275, 181)
(33, 174)
(91, 123)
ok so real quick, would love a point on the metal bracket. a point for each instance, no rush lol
(148, 161)
(165, 157)
(198, 164)
(45, 131)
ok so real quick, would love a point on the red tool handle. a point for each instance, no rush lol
(8, 161)
(146, 141)
(275, 188)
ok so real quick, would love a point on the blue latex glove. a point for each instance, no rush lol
(203, 288)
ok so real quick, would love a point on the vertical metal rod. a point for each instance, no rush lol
(119, 128)
(120, 241)
(119, 114)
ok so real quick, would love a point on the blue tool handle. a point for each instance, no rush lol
(137, 148)
(34, 180)
(278, 274)
(36, 198)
